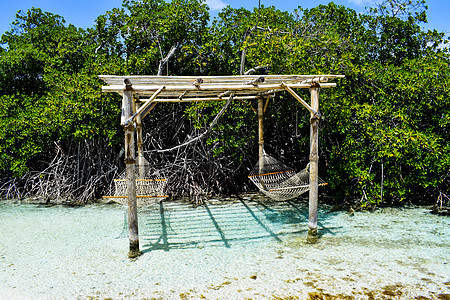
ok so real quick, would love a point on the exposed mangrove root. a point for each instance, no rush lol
(77, 174)
(442, 205)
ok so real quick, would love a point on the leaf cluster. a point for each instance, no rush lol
(384, 138)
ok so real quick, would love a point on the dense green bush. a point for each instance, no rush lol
(384, 138)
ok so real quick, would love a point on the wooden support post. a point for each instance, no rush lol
(140, 146)
(261, 126)
(313, 164)
(130, 161)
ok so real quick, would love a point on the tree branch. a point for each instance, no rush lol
(166, 59)
(207, 131)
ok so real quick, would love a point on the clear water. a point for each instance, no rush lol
(224, 250)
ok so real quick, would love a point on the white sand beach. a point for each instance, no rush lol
(225, 250)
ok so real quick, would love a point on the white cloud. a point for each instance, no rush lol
(216, 4)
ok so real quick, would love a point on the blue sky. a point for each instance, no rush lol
(82, 13)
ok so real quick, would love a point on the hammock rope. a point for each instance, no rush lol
(279, 181)
(150, 187)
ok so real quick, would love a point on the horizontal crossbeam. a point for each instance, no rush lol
(247, 88)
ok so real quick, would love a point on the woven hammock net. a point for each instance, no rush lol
(279, 181)
(150, 186)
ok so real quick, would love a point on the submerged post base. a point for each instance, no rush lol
(134, 250)
(134, 254)
(312, 236)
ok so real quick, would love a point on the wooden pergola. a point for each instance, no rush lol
(142, 93)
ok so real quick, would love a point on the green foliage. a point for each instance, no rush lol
(50, 91)
(150, 28)
(385, 135)
(386, 127)
(397, 121)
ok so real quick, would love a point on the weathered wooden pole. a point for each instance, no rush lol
(130, 161)
(140, 146)
(313, 164)
(261, 126)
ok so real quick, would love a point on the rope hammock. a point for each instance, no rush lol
(150, 186)
(279, 181)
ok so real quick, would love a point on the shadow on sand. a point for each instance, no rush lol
(174, 225)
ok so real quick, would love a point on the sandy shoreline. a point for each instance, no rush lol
(78, 253)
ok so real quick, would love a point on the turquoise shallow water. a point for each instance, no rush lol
(222, 250)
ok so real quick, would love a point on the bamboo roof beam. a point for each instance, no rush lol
(144, 107)
(223, 94)
(267, 103)
(152, 88)
(146, 111)
(188, 80)
(316, 80)
(255, 81)
(182, 95)
(197, 82)
(303, 102)
(163, 100)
